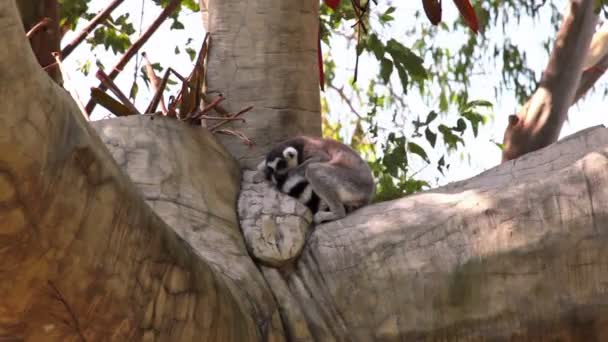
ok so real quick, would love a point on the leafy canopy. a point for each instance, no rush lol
(407, 67)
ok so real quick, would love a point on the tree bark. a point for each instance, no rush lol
(82, 257)
(263, 53)
(517, 253)
(542, 117)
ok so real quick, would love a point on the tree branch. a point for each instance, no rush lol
(67, 50)
(542, 117)
(136, 46)
(345, 98)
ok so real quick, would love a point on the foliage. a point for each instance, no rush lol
(414, 66)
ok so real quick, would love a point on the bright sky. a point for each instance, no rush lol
(482, 151)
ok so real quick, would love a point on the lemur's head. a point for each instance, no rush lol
(279, 161)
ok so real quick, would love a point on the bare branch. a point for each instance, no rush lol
(109, 84)
(137, 45)
(101, 16)
(242, 111)
(156, 81)
(41, 24)
(345, 98)
(540, 121)
(66, 80)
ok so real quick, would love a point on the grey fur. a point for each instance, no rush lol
(337, 174)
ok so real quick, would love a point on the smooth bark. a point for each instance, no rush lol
(542, 117)
(264, 53)
(517, 253)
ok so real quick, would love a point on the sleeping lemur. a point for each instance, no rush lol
(321, 173)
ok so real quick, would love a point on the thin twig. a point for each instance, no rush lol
(138, 44)
(49, 66)
(207, 108)
(237, 134)
(345, 98)
(109, 84)
(105, 13)
(242, 111)
(39, 26)
(219, 109)
(219, 118)
(66, 80)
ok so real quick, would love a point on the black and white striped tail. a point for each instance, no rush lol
(298, 187)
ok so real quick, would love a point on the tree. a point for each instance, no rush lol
(89, 259)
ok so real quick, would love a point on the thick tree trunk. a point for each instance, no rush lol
(82, 257)
(516, 253)
(263, 53)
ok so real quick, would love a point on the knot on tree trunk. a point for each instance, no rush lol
(275, 225)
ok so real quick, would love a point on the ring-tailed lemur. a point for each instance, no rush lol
(335, 173)
(296, 185)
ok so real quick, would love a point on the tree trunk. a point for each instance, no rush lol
(516, 253)
(82, 257)
(263, 53)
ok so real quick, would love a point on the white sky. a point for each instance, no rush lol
(482, 151)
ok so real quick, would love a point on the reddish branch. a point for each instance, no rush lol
(590, 76)
(542, 117)
(41, 24)
(109, 84)
(241, 112)
(155, 80)
(200, 113)
(43, 14)
(137, 45)
(101, 16)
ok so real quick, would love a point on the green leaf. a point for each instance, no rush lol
(386, 69)
(403, 77)
(176, 25)
(409, 60)
(191, 53)
(133, 91)
(443, 102)
(461, 126)
(375, 46)
(440, 165)
(191, 5)
(430, 136)
(432, 116)
(479, 103)
(416, 149)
